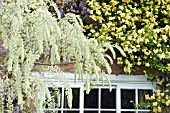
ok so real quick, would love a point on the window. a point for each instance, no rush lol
(131, 94)
(101, 100)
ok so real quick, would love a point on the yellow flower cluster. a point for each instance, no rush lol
(140, 28)
(158, 100)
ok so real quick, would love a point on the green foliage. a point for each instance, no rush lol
(31, 35)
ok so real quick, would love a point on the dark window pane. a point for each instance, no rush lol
(54, 102)
(108, 111)
(141, 96)
(91, 99)
(108, 99)
(90, 111)
(127, 95)
(76, 98)
(70, 111)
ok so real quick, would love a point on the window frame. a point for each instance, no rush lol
(118, 81)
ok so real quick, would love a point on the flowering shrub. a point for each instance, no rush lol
(158, 100)
(141, 28)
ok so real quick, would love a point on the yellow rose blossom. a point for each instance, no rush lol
(145, 57)
(119, 12)
(103, 33)
(159, 109)
(109, 38)
(107, 8)
(100, 19)
(125, 48)
(128, 16)
(90, 3)
(162, 56)
(101, 37)
(103, 4)
(129, 37)
(168, 7)
(153, 97)
(166, 20)
(89, 34)
(107, 13)
(119, 60)
(167, 103)
(93, 17)
(121, 7)
(163, 101)
(151, 2)
(122, 15)
(111, 18)
(132, 57)
(135, 11)
(146, 40)
(127, 10)
(158, 91)
(141, 31)
(155, 103)
(147, 64)
(139, 63)
(147, 97)
(126, 1)
(129, 51)
(158, 45)
(109, 24)
(137, 46)
(152, 19)
(154, 41)
(148, 14)
(164, 12)
(127, 22)
(155, 110)
(164, 37)
(127, 62)
(160, 82)
(123, 38)
(127, 70)
(136, 18)
(92, 31)
(96, 4)
(134, 48)
(162, 94)
(114, 2)
(129, 6)
(166, 97)
(96, 34)
(98, 12)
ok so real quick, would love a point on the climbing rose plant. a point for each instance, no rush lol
(142, 29)
(34, 39)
